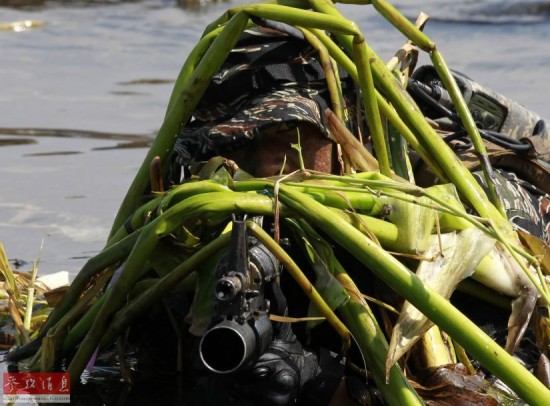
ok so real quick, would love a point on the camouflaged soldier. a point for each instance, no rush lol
(271, 85)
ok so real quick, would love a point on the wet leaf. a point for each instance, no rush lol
(54, 296)
(451, 385)
(415, 224)
(455, 263)
(539, 248)
(522, 309)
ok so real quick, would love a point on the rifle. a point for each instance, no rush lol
(240, 330)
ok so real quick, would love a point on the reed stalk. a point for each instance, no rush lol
(406, 27)
(386, 109)
(331, 72)
(363, 62)
(30, 292)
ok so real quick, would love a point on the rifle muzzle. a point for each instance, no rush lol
(230, 346)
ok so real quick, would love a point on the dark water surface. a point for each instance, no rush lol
(108, 68)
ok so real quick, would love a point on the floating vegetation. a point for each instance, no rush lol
(19, 26)
(23, 303)
(6, 142)
(146, 81)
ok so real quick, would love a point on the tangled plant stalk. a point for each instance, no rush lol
(186, 223)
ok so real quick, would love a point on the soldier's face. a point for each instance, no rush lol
(266, 154)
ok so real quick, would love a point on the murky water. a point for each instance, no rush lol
(108, 68)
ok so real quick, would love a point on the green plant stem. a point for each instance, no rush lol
(136, 264)
(30, 294)
(182, 108)
(385, 232)
(161, 203)
(302, 18)
(112, 255)
(161, 288)
(331, 72)
(108, 257)
(409, 30)
(468, 122)
(79, 330)
(362, 55)
(75, 314)
(387, 110)
(365, 331)
(429, 302)
(190, 65)
(431, 141)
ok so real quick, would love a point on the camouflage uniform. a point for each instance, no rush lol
(527, 207)
(522, 181)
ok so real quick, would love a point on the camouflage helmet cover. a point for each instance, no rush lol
(270, 80)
